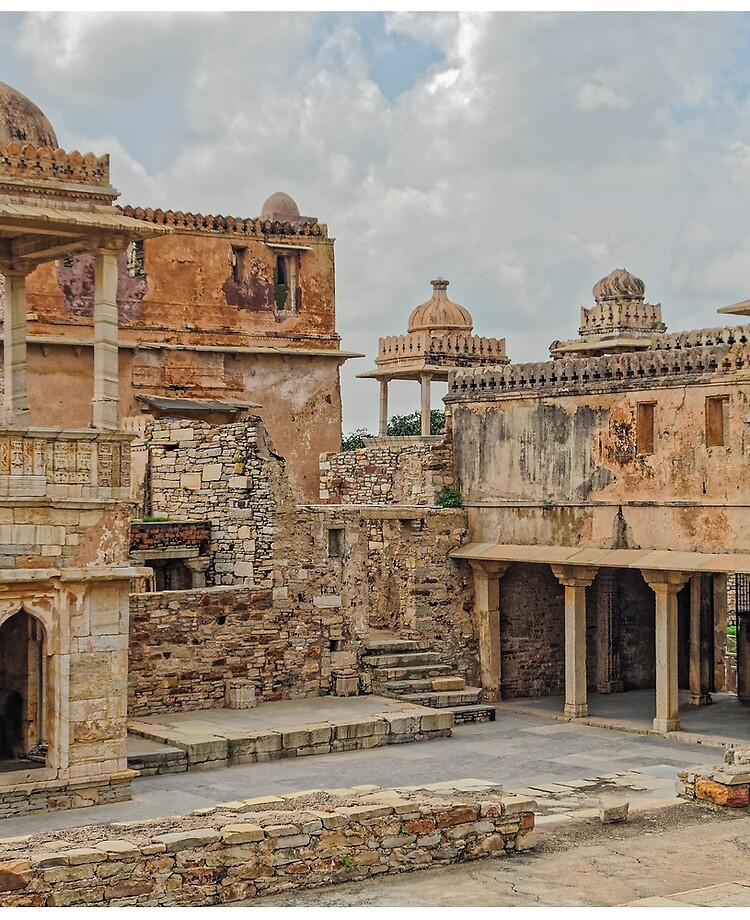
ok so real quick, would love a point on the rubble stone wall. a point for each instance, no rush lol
(184, 645)
(412, 472)
(231, 857)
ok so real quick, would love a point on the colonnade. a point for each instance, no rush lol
(575, 579)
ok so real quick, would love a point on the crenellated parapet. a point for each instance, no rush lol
(34, 164)
(621, 316)
(454, 349)
(570, 376)
(202, 223)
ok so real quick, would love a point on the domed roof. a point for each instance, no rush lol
(22, 121)
(439, 314)
(280, 206)
(619, 285)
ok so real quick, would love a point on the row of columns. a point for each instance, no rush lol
(106, 367)
(426, 405)
(575, 580)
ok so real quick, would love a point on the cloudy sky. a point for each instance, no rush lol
(521, 156)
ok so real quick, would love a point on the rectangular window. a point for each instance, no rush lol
(717, 421)
(239, 254)
(645, 428)
(335, 542)
(286, 286)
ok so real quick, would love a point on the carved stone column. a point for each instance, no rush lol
(424, 381)
(15, 400)
(665, 586)
(198, 568)
(106, 358)
(575, 579)
(607, 659)
(700, 636)
(383, 427)
(487, 577)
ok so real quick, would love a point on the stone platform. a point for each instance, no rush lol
(176, 742)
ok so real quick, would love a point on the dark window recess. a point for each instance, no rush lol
(287, 295)
(136, 261)
(717, 421)
(335, 543)
(281, 284)
(239, 255)
(68, 261)
(742, 594)
(645, 427)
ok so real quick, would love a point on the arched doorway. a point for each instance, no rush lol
(22, 689)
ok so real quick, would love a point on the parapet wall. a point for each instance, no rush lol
(257, 847)
(668, 365)
(412, 472)
(24, 161)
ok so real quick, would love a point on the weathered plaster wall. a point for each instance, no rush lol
(565, 469)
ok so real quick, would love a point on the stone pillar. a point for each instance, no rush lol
(665, 586)
(720, 632)
(487, 577)
(15, 401)
(198, 569)
(383, 427)
(424, 381)
(106, 368)
(575, 579)
(700, 609)
(607, 657)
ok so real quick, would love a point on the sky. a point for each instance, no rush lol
(522, 156)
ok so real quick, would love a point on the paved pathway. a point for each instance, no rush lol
(521, 752)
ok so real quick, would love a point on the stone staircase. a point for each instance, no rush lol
(410, 670)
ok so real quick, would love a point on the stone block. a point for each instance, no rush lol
(437, 721)
(188, 840)
(709, 790)
(244, 569)
(307, 736)
(239, 482)
(613, 809)
(286, 843)
(241, 833)
(526, 840)
(364, 728)
(327, 600)
(212, 472)
(455, 815)
(15, 874)
(282, 830)
(191, 481)
(239, 694)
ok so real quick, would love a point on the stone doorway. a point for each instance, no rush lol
(22, 689)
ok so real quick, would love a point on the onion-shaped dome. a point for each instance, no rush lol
(619, 285)
(440, 315)
(22, 121)
(281, 207)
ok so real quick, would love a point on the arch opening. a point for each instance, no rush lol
(22, 691)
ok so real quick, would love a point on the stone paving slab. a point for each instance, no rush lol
(729, 894)
(289, 728)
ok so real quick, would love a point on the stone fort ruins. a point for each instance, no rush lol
(180, 531)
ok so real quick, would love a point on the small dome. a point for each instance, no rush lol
(280, 206)
(619, 285)
(440, 315)
(22, 121)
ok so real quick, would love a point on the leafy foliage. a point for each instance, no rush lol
(411, 425)
(449, 498)
(355, 440)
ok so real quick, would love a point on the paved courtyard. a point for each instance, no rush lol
(669, 853)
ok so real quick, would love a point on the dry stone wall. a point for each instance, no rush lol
(248, 849)
(184, 645)
(387, 472)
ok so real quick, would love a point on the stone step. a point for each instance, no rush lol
(403, 659)
(481, 712)
(418, 672)
(400, 687)
(445, 699)
(391, 646)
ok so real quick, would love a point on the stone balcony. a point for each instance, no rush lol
(454, 349)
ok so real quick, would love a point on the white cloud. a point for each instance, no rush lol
(539, 153)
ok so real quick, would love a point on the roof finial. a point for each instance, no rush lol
(439, 284)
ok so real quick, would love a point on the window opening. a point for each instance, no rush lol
(136, 262)
(717, 421)
(238, 263)
(645, 427)
(335, 542)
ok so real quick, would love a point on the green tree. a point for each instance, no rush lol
(355, 440)
(404, 425)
